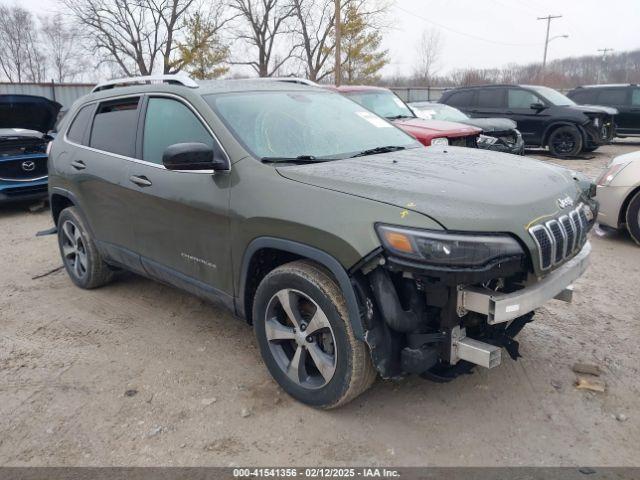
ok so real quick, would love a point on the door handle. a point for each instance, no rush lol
(509, 112)
(141, 180)
(78, 165)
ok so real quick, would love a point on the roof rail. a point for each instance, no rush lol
(606, 85)
(148, 79)
(298, 80)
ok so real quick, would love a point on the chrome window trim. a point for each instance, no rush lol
(143, 162)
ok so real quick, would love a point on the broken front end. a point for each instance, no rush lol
(437, 304)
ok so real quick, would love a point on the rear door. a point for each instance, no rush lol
(531, 122)
(462, 100)
(490, 102)
(180, 219)
(103, 137)
(619, 98)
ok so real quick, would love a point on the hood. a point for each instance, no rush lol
(593, 109)
(489, 125)
(461, 188)
(28, 112)
(16, 133)
(422, 128)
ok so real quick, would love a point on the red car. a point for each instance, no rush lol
(384, 103)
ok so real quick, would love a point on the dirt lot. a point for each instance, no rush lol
(198, 393)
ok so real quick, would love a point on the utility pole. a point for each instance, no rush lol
(548, 18)
(604, 55)
(338, 25)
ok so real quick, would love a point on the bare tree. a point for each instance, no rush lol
(262, 22)
(139, 36)
(62, 45)
(429, 54)
(20, 56)
(315, 28)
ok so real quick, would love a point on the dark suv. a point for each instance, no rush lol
(545, 117)
(351, 248)
(624, 98)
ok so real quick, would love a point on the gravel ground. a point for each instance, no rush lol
(138, 373)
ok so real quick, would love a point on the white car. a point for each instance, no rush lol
(618, 192)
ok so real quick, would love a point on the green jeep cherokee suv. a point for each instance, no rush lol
(351, 249)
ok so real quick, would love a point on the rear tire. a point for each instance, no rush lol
(305, 337)
(632, 218)
(80, 256)
(565, 142)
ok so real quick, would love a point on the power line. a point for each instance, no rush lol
(548, 18)
(444, 27)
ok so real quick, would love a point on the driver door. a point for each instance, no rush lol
(530, 122)
(180, 219)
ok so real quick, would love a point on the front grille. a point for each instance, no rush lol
(559, 239)
(20, 191)
(22, 169)
(469, 142)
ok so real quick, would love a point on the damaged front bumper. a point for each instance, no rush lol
(505, 142)
(503, 307)
(440, 324)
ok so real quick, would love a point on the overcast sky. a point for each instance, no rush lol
(491, 33)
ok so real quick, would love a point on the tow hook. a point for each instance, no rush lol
(473, 351)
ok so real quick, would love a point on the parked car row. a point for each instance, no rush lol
(545, 117)
(352, 249)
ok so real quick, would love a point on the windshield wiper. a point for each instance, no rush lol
(298, 159)
(398, 117)
(375, 151)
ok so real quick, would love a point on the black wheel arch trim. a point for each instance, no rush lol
(74, 201)
(312, 253)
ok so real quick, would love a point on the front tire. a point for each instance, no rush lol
(80, 257)
(565, 142)
(632, 218)
(305, 337)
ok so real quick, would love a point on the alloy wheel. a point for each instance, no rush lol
(564, 142)
(300, 338)
(73, 249)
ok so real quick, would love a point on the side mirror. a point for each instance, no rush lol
(537, 106)
(191, 156)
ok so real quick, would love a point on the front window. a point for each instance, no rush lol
(440, 112)
(322, 125)
(168, 122)
(382, 102)
(553, 96)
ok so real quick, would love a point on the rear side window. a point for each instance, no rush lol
(114, 127)
(613, 96)
(635, 97)
(584, 96)
(521, 98)
(79, 126)
(461, 99)
(168, 122)
(491, 98)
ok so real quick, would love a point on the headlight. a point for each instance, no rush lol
(486, 140)
(439, 141)
(596, 122)
(588, 213)
(607, 176)
(447, 249)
